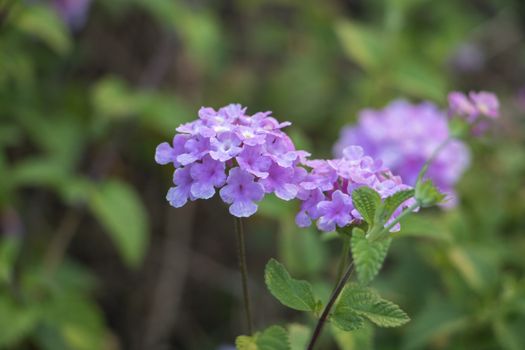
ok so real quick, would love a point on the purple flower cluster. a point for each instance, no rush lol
(326, 191)
(474, 105)
(73, 12)
(404, 136)
(244, 156)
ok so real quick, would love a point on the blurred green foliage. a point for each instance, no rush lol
(81, 111)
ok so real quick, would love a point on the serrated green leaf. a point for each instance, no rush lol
(368, 255)
(272, 338)
(366, 201)
(121, 212)
(384, 313)
(290, 292)
(346, 319)
(365, 303)
(394, 201)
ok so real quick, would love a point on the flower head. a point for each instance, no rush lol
(244, 156)
(405, 135)
(474, 105)
(326, 190)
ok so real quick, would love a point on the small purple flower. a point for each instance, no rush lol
(252, 160)
(486, 103)
(165, 153)
(460, 104)
(241, 191)
(475, 104)
(309, 209)
(73, 12)
(281, 181)
(221, 140)
(207, 175)
(335, 211)
(225, 146)
(178, 196)
(403, 136)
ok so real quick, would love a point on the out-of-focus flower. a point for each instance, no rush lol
(468, 57)
(326, 191)
(404, 136)
(520, 98)
(244, 156)
(474, 105)
(73, 12)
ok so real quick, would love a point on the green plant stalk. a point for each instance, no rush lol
(324, 316)
(241, 254)
(345, 251)
(432, 158)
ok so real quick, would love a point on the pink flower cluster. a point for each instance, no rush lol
(474, 105)
(244, 156)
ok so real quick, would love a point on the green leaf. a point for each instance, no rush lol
(44, 23)
(368, 255)
(119, 209)
(362, 302)
(298, 336)
(359, 339)
(362, 44)
(427, 194)
(366, 201)
(346, 319)
(394, 201)
(290, 292)
(272, 338)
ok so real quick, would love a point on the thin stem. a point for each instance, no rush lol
(241, 252)
(345, 251)
(404, 213)
(61, 240)
(433, 157)
(324, 316)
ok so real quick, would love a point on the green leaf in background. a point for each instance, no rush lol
(16, 321)
(298, 335)
(359, 339)
(272, 338)
(119, 209)
(366, 201)
(361, 302)
(363, 45)
(290, 292)
(42, 22)
(368, 255)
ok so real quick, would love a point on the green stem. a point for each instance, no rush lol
(324, 316)
(345, 252)
(241, 254)
(432, 158)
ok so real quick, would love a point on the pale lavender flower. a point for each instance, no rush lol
(335, 212)
(207, 175)
(166, 153)
(326, 191)
(241, 191)
(230, 142)
(404, 136)
(178, 196)
(225, 146)
(281, 181)
(486, 103)
(252, 160)
(474, 105)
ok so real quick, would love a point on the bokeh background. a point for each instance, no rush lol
(91, 255)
